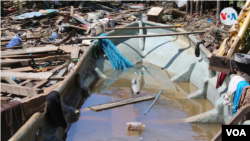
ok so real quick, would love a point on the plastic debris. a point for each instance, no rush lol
(209, 21)
(15, 41)
(55, 35)
(135, 126)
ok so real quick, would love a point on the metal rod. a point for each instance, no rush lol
(153, 103)
(138, 36)
(32, 59)
(150, 27)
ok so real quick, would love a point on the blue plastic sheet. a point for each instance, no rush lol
(15, 41)
(117, 60)
(33, 14)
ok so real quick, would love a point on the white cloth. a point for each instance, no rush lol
(228, 99)
(56, 2)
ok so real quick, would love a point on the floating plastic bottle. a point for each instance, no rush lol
(135, 126)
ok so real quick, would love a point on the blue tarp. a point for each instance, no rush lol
(117, 60)
(32, 14)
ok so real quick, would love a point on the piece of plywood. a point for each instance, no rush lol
(29, 50)
(120, 102)
(31, 76)
(75, 53)
(20, 90)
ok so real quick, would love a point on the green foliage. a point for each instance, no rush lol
(246, 41)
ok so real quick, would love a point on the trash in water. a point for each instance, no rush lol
(135, 126)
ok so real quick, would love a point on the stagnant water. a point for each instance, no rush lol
(163, 121)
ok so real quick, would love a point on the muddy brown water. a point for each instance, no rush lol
(163, 122)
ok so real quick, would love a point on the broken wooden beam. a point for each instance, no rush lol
(20, 90)
(29, 50)
(120, 102)
(138, 36)
(19, 69)
(31, 76)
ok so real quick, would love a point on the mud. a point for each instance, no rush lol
(163, 122)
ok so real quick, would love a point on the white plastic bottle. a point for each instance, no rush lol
(135, 126)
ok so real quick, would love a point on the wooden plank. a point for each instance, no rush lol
(29, 50)
(20, 90)
(19, 69)
(10, 81)
(37, 60)
(56, 78)
(60, 74)
(40, 83)
(150, 27)
(221, 64)
(27, 56)
(67, 48)
(31, 76)
(139, 36)
(120, 102)
(56, 68)
(71, 11)
(24, 82)
(75, 53)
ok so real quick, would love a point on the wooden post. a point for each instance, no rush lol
(197, 6)
(187, 7)
(191, 6)
(202, 7)
(218, 9)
